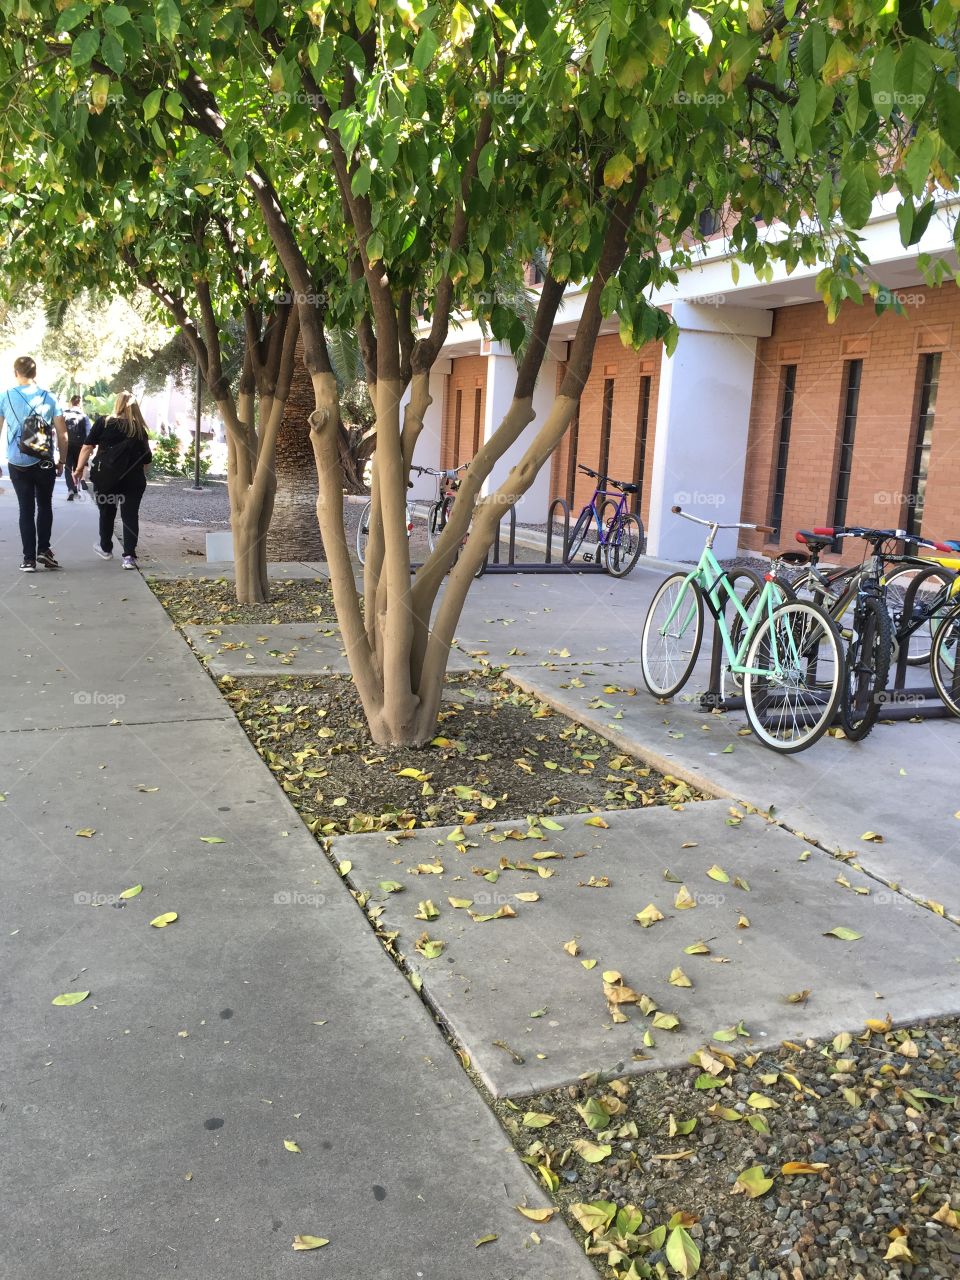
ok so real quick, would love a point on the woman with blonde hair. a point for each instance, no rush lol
(118, 474)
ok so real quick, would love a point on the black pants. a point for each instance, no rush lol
(34, 489)
(73, 457)
(127, 498)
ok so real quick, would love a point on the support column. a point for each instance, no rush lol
(703, 421)
(500, 386)
(427, 450)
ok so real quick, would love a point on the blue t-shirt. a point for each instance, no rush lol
(16, 405)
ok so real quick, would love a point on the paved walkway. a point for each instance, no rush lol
(143, 1130)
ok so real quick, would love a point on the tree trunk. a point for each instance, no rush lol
(294, 533)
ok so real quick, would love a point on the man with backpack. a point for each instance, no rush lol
(78, 427)
(31, 417)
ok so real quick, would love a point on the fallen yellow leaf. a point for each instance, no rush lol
(303, 1243)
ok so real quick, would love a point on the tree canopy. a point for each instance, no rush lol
(391, 166)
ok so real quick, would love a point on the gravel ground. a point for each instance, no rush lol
(871, 1121)
(168, 500)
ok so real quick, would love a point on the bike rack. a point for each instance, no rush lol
(900, 701)
(711, 699)
(494, 563)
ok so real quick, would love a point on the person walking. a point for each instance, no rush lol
(118, 474)
(32, 417)
(78, 427)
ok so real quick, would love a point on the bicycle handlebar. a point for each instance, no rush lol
(432, 471)
(715, 524)
(881, 535)
(617, 484)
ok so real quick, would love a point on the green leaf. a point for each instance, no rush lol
(361, 180)
(70, 997)
(598, 50)
(753, 1182)
(855, 199)
(427, 46)
(84, 47)
(537, 1120)
(132, 891)
(918, 160)
(882, 81)
(375, 246)
(843, 933)
(168, 18)
(151, 103)
(682, 1253)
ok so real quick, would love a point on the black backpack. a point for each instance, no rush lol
(113, 463)
(76, 431)
(36, 435)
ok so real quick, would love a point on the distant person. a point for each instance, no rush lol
(118, 474)
(78, 428)
(32, 417)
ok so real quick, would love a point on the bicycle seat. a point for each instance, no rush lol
(816, 542)
(626, 488)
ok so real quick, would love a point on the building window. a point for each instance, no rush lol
(788, 386)
(640, 457)
(927, 404)
(708, 222)
(606, 425)
(848, 427)
(458, 409)
(477, 421)
(574, 439)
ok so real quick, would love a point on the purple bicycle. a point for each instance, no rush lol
(619, 533)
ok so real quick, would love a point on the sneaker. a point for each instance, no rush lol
(129, 562)
(71, 496)
(104, 555)
(28, 566)
(48, 559)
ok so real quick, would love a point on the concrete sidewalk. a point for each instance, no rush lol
(143, 1129)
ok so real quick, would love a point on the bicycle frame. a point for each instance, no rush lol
(708, 567)
(608, 495)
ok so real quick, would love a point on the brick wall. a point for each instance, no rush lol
(891, 348)
(627, 370)
(467, 376)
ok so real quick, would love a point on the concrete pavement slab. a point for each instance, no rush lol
(143, 1129)
(281, 648)
(899, 783)
(508, 990)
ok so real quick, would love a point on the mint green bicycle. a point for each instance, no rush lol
(787, 652)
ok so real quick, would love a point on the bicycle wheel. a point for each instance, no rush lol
(794, 677)
(672, 632)
(624, 545)
(867, 668)
(921, 640)
(944, 666)
(435, 523)
(363, 532)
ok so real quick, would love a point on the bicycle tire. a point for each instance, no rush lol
(655, 660)
(624, 545)
(435, 524)
(867, 668)
(577, 536)
(363, 532)
(921, 641)
(944, 664)
(812, 636)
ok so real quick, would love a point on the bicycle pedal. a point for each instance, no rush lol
(587, 557)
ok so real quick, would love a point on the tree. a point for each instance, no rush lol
(396, 154)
